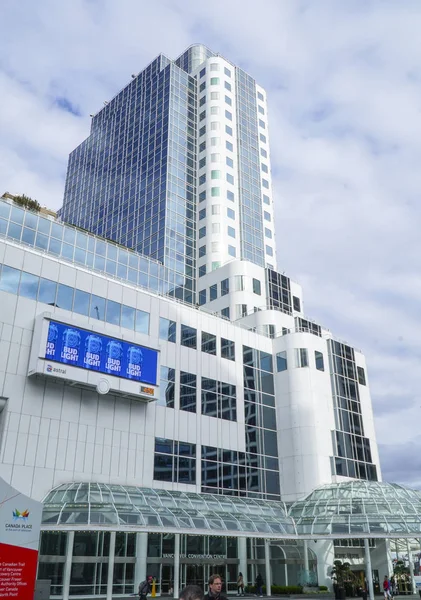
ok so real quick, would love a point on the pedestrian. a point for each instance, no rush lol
(215, 587)
(145, 587)
(386, 588)
(259, 585)
(191, 592)
(240, 584)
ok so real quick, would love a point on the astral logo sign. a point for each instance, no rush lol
(20, 521)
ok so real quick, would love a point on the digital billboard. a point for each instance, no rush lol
(77, 347)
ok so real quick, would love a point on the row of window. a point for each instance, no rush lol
(300, 359)
(63, 296)
(218, 399)
(239, 284)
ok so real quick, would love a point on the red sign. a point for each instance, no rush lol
(18, 569)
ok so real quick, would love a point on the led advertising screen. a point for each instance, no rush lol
(90, 350)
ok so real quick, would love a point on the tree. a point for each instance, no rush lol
(27, 202)
(344, 580)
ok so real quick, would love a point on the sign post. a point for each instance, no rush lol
(20, 522)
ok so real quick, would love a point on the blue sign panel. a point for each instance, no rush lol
(87, 350)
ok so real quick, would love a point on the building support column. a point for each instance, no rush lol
(111, 556)
(176, 565)
(368, 569)
(242, 557)
(411, 566)
(68, 565)
(267, 568)
(141, 559)
(306, 568)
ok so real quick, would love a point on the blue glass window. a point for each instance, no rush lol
(29, 286)
(230, 213)
(81, 303)
(231, 232)
(228, 129)
(64, 297)
(227, 86)
(202, 251)
(202, 297)
(167, 330)
(227, 72)
(213, 292)
(230, 196)
(128, 316)
(97, 308)
(228, 100)
(202, 270)
(229, 146)
(188, 336)
(142, 321)
(47, 291)
(10, 278)
(230, 178)
(202, 232)
(232, 251)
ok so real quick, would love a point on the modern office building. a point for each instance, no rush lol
(161, 387)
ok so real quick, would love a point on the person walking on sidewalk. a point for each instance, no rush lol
(259, 585)
(240, 584)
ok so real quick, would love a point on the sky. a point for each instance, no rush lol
(343, 81)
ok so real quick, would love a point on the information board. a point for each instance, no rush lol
(77, 347)
(20, 521)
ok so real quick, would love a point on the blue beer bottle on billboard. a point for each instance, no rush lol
(113, 358)
(70, 346)
(52, 339)
(93, 350)
(134, 362)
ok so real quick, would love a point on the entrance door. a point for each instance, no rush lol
(192, 575)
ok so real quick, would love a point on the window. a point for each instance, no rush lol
(202, 179)
(215, 158)
(230, 162)
(231, 231)
(230, 196)
(281, 361)
(232, 251)
(269, 250)
(261, 110)
(202, 101)
(265, 184)
(167, 387)
(228, 130)
(9, 279)
(260, 96)
(202, 147)
(265, 168)
(263, 153)
(361, 376)
(216, 228)
(266, 199)
(296, 303)
(257, 288)
(215, 174)
(268, 233)
(214, 110)
(208, 343)
(29, 286)
(202, 232)
(167, 330)
(216, 264)
(241, 310)
(228, 100)
(225, 312)
(174, 461)
(202, 251)
(215, 141)
(202, 130)
(267, 216)
(215, 125)
(238, 283)
(320, 365)
(216, 209)
(202, 162)
(202, 73)
(227, 349)
(262, 124)
(202, 87)
(142, 321)
(215, 191)
(202, 297)
(218, 399)
(214, 95)
(188, 391)
(214, 67)
(202, 196)
(262, 138)
(202, 270)
(225, 287)
(230, 213)
(227, 86)
(227, 72)
(202, 214)
(188, 336)
(202, 115)
(301, 357)
(214, 81)
(213, 292)
(230, 178)
(229, 146)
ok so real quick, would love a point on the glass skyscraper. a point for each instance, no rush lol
(177, 167)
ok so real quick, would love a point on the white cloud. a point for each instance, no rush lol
(344, 89)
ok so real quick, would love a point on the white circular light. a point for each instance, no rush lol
(103, 386)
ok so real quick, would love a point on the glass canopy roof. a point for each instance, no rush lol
(352, 509)
(359, 509)
(102, 505)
